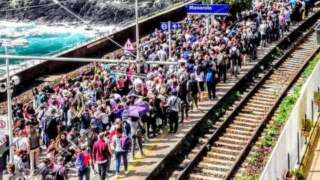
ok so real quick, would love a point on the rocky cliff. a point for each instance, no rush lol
(95, 11)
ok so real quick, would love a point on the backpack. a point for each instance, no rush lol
(48, 123)
(79, 164)
(125, 142)
(34, 142)
(54, 175)
(193, 86)
(127, 128)
(209, 76)
(234, 52)
(42, 97)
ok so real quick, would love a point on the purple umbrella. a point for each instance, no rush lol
(138, 109)
(143, 105)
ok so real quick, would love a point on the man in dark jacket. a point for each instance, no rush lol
(193, 90)
(210, 81)
(182, 94)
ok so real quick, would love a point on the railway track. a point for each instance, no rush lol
(220, 152)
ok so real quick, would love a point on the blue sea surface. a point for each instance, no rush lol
(42, 40)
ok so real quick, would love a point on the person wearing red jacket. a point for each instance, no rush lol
(83, 163)
(101, 156)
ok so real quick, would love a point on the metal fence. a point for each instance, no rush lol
(291, 143)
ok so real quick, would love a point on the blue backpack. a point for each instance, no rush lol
(209, 76)
(79, 164)
(127, 128)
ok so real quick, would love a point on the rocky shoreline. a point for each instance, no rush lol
(104, 12)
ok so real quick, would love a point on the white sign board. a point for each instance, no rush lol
(4, 126)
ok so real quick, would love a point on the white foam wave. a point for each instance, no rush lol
(13, 29)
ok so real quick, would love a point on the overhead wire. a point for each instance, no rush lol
(88, 24)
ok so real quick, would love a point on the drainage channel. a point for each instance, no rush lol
(220, 152)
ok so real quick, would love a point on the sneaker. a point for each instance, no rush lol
(109, 174)
(116, 176)
(126, 172)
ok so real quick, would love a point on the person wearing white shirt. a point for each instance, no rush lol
(174, 107)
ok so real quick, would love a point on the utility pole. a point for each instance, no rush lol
(137, 37)
(170, 39)
(9, 106)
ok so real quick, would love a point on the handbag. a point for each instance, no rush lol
(140, 131)
(158, 121)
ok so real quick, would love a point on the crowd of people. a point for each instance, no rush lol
(100, 118)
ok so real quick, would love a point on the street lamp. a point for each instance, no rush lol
(8, 86)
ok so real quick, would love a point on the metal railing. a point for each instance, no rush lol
(25, 65)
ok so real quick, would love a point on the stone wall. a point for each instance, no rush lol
(95, 11)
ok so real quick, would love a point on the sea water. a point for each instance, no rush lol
(43, 40)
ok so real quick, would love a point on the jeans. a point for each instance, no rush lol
(253, 53)
(152, 123)
(136, 139)
(84, 174)
(174, 116)
(34, 159)
(184, 110)
(102, 168)
(222, 71)
(194, 100)
(118, 155)
(211, 90)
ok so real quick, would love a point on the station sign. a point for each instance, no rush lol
(214, 9)
(164, 26)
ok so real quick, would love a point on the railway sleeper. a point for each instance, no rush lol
(255, 109)
(241, 128)
(199, 175)
(249, 119)
(225, 151)
(232, 141)
(226, 145)
(216, 161)
(235, 131)
(249, 115)
(257, 105)
(210, 173)
(245, 123)
(237, 136)
(213, 166)
(263, 102)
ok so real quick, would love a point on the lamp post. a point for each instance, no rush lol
(8, 86)
(137, 36)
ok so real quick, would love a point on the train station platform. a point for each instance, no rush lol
(157, 148)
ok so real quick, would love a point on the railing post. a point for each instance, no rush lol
(305, 128)
(298, 142)
(288, 161)
(312, 106)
